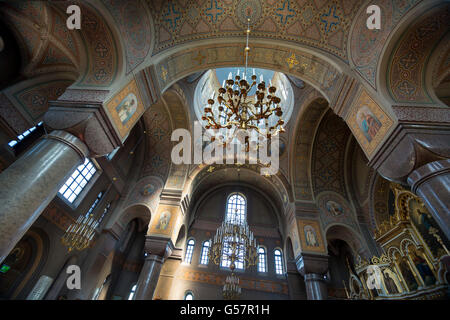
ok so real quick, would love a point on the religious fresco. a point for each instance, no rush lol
(311, 236)
(125, 108)
(334, 208)
(164, 221)
(368, 122)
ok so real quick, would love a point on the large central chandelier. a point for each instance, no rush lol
(237, 110)
(234, 243)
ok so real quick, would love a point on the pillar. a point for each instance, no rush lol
(431, 182)
(158, 249)
(32, 181)
(313, 268)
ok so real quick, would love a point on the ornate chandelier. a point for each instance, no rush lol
(80, 234)
(231, 289)
(237, 110)
(234, 243)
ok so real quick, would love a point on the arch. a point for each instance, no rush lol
(179, 243)
(313, 108)
(33, 247)
(350, 236)
(313, 68)
(404, 62)
(206, 183)
(140, 212)
(188, 295)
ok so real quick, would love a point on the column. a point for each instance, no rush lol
(316, 288)
(158, 249)
(313, 268)
(32, 181)
(431, 182)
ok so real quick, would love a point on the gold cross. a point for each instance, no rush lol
(164, 73)
(199, 58)
(292, 61)
(211, 169)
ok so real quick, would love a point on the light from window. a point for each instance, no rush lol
(204, 259)
(189, 251)
(278, 262)
(105, 211)
(22, 136)
(132, 292)
(236, 209)
(261, 260)
(228, 250)
(189, 296)
(77, 181)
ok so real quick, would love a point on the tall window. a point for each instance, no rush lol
(22, 136)
(204, 259)
(235, 214)
(262, 260)
(189, 251)
(236, 208)
(91, 209)
(132, 292)
(77, 181)
(278, 261)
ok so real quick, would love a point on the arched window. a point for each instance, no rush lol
(204, 258)
(278, 261)
(132, 292)
(262, 260)
(78, 181)
(235, 214)
(189, 251)
(236, 209)
(188, 296)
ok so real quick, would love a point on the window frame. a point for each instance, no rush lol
(265, 261)
(78, 199)
(281, 263)
(207, 254)
(244, 219)
(187, 250)
(187, 293)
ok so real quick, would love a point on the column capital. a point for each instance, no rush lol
(421, 136)
(159, 246)
(83, 115)
(428, 171)
(312, 263)
(69, 139)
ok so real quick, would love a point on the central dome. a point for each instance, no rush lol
(209, 84)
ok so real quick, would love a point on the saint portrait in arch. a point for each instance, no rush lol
(127, 107)
(368, 122)
(310, 236)
(334, 208)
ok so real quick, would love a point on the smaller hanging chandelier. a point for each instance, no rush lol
(231, 289)
(80, 234)
(236, 110)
